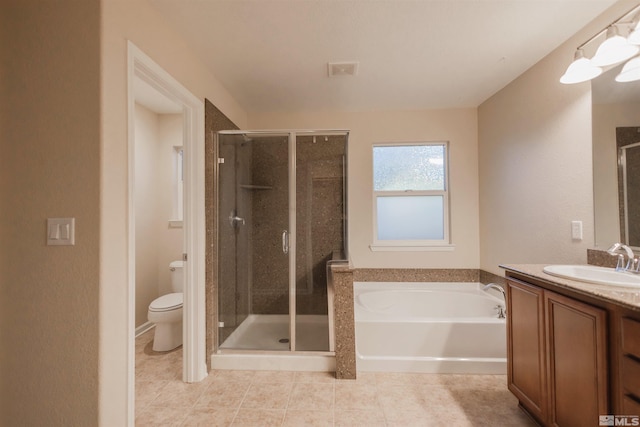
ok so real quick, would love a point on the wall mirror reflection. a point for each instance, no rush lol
(616, 159)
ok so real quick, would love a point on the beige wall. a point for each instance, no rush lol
(606, 118)
(458, 126)
(535, 163)
(50, 167)
(124, 20)
(156, 243)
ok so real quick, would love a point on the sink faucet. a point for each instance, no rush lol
(620, 250)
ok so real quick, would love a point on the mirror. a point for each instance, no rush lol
(616, 161)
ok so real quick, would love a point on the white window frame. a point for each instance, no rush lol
(443, 244)
(178, 187)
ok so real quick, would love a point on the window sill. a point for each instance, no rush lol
(175, 223)
(411, 248)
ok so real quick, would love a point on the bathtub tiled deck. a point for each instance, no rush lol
(268, 398)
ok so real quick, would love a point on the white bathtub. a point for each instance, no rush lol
(429, 327)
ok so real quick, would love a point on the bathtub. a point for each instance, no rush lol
(429, 327)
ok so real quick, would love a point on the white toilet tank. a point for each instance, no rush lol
(176, 276)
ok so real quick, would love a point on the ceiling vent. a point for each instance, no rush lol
(336, 69)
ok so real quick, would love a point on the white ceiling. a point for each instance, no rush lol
(272, 55)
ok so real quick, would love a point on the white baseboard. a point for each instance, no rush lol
(144, 328)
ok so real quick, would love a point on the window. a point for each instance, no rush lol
(178, 186)
(411, 200)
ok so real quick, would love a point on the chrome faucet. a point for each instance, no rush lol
(620, 250)
(497, 288)
(502, 311)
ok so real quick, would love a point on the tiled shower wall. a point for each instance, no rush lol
(627, 136)
(269, 205)
(320, 231)
(214, 121)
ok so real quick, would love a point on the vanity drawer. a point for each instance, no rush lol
(631, 375)
(631, 337)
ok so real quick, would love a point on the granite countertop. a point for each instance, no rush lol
(626, 297)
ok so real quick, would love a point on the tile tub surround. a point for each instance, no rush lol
(282, 398)
(415, 275)
(345, 331)
(486, 277)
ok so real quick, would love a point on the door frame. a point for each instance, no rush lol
(141, 66)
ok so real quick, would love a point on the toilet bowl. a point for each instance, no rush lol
(166, 313)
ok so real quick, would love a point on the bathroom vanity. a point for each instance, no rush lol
(573, 348)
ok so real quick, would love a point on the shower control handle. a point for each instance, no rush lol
(285, 242)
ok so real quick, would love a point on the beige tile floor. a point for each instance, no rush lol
(275, 398)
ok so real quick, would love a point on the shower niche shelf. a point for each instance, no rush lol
(256, 187)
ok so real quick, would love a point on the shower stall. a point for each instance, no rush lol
(281, 210)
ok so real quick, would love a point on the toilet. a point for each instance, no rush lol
(166, 313)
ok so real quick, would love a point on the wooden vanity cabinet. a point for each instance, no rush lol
(629, 361)
(577, 354)
(526, 347)
(557, 356)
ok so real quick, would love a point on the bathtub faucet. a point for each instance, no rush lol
(502, 311)
(497, 288)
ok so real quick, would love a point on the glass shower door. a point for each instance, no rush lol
(320, 214)
(253, 241)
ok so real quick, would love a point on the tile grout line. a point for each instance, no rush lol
(333, 412)
(246, 392)
(286, 408)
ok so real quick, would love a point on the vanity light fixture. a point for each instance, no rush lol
(613, 50)
(580, 70)
(630, 72)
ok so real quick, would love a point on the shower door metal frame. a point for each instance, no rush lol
(293, 245)
(622, 172)
(292, 242)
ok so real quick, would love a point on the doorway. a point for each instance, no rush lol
(162, 89)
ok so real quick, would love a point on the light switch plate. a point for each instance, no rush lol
(576, 230)
(61, 231)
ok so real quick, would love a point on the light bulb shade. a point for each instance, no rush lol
(614, 49)
(630, 72)
(580, 70)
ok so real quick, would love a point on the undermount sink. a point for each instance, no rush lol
(593, 274)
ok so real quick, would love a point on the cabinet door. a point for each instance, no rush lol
(577, 361)
(526, 347)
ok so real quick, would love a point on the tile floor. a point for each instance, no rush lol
(275, 398)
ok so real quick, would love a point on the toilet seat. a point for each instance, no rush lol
(167, 302)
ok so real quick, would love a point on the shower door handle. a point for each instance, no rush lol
(234, 219)
(285, 242)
